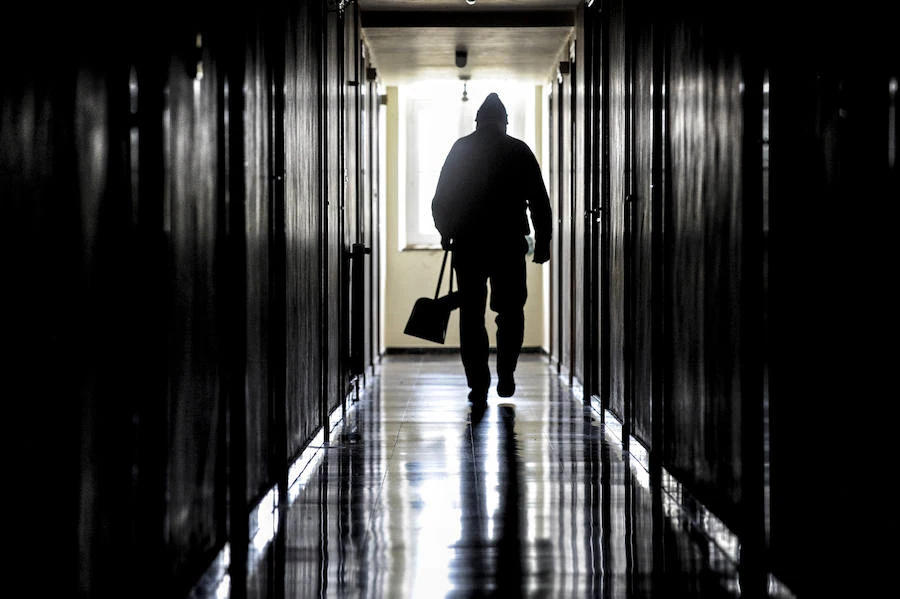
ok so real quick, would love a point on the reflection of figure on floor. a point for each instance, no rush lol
(490, 565)
(471, 563)
(508, 523)
(489, 183)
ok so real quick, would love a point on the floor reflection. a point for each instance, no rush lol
(416, 496)
(488, 554)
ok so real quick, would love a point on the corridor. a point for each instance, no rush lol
(418, 496)
(219, 217)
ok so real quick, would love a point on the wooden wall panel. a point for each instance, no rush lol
(566, 228)
(833, 175)
(336, 229)
(373, 203)
(175, 245)
(351, 81)
(73, 318)
(618, 190)
(191, 224)
(703, 412)
(579, 202)
(255, 122)
(304, 225)
(555, 300)
(643, 235)
(589, 113)
(369, 204)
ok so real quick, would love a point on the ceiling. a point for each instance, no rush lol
(411, 40)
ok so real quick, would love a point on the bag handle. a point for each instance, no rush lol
(437, 290)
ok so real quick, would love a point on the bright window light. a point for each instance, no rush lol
(432, 117)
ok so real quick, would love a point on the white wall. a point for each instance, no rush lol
(412, 274)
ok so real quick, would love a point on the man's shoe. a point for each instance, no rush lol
(506, 386)
(477, 410)
(478, 397)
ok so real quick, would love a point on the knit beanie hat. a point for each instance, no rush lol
(492, 109)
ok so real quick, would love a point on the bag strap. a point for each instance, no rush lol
(437, 290)
(452, 260)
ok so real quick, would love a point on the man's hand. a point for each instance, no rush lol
(541, 254)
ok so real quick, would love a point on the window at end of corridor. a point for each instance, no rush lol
(432, 116)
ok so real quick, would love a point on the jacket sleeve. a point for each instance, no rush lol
(443, 208)
(539, 205)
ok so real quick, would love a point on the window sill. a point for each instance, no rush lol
(417, 247)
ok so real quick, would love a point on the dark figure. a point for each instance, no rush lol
(488, 184)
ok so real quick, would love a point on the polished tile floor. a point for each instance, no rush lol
(416, 496)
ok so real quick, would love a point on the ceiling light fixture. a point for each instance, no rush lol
(464, 79)
(470, 2)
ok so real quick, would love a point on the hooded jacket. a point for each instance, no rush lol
(489, 183)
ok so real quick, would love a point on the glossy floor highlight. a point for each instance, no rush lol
(417, 496)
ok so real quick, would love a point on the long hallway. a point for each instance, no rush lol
(416, 495)
(218, 219)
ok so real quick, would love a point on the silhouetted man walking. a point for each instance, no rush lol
(489, 183)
